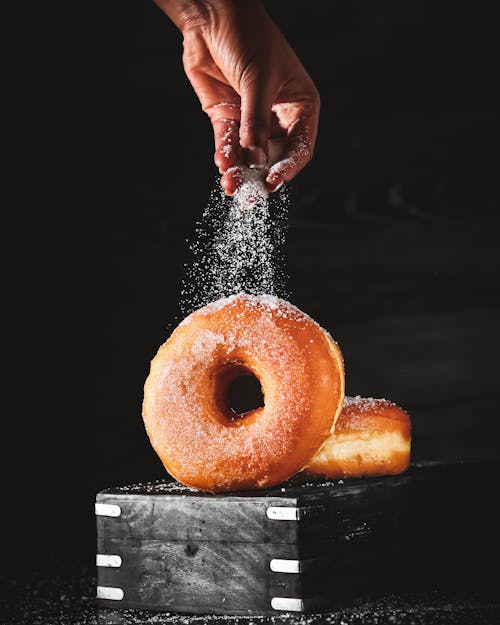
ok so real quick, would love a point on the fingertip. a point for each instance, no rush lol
(272, 188)
(231, 180)
(273, 177)
(225, 157)
(227, 190)
(274, 181)
(286, 169)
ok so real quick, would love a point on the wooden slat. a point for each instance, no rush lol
(194, 519)
(236, 518)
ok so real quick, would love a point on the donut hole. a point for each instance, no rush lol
(244, 395)
(238, 393)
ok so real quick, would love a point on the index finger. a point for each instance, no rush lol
(225, 118)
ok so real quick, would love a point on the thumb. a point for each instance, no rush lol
(255, 123)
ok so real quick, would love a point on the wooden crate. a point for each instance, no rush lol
(299, 547)
(302, 547)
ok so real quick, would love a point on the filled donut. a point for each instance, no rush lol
(371, 437)
(201, 441)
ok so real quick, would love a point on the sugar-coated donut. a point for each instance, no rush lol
(199, 439)
(371, 437)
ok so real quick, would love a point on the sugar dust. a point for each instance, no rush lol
(238, 245)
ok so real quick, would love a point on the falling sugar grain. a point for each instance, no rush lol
(238, 245)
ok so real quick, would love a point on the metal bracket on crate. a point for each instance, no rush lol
(102, 559)
(107, 509)
(286, 513)
(108, 592)
(278, 565)
(295, 604)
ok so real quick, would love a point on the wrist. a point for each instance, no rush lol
(188, 14)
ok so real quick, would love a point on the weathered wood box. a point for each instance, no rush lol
(299, 547)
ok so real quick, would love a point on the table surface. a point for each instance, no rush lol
(68, 598)
(392, 246)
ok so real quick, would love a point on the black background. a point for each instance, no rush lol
(392, 242)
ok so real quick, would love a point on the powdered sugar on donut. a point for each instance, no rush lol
(187, 375)
(366, 404)
(280, 307)
(288, 353)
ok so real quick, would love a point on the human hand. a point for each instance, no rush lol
(263, 105)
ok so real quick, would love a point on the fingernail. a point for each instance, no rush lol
(273, 178)
(256, 157)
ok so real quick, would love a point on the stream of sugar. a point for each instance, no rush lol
(238, 245)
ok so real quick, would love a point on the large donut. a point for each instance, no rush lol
(371, 437)
(190, 424)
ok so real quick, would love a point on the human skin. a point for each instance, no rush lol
(263, 105)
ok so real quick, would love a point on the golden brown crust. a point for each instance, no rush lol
(185, 410)
(372, 437)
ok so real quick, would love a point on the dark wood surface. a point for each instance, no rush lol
(392, 246)
(66, 597)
